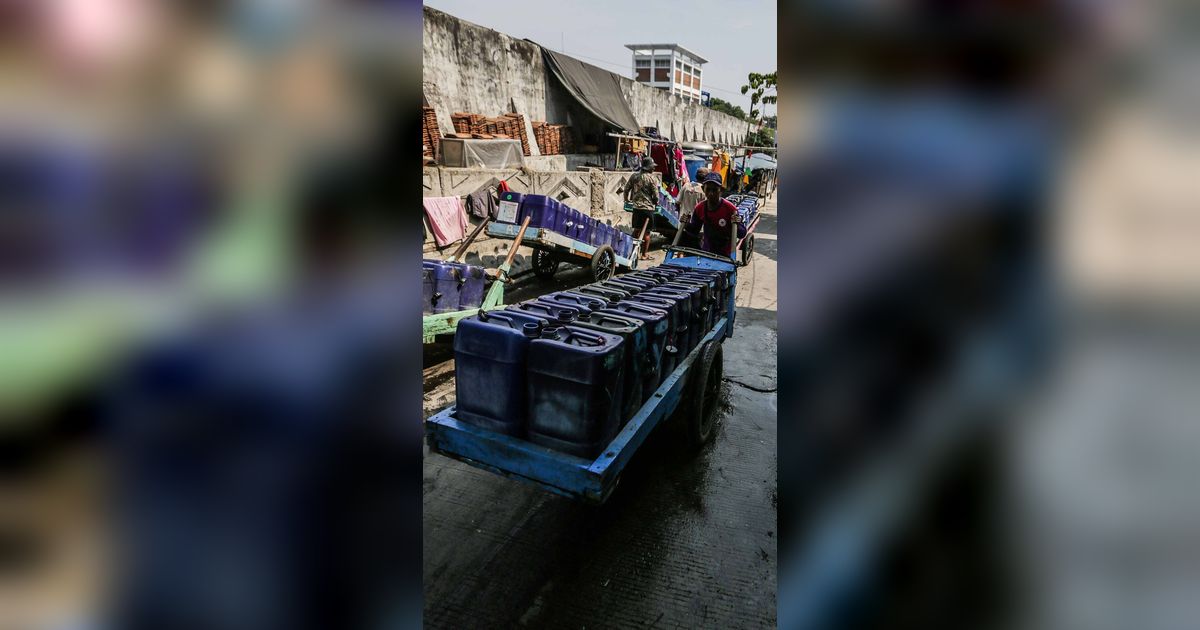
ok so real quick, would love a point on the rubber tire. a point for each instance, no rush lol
(748, 249)
(696, 417)
(604, 263)
(545, 265)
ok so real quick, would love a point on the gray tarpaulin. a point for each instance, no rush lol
(482, 153)
(598, 90)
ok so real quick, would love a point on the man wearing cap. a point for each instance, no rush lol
(642, 192)
(715, 216)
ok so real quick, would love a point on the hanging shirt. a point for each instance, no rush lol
(482, 204)
(691, 194)
(658, 152)
(447, 219)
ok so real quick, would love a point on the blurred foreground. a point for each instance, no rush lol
(202, 273)
(988, 345)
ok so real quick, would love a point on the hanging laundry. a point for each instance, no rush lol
(662, 161)
(482, 204)
(447, 218)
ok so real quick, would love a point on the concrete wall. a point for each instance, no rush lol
(469, 68)
(679, 118)
(596, 193)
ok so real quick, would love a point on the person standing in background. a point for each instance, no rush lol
(692, 194)
(642, 192)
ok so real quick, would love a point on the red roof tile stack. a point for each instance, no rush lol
(430, 134)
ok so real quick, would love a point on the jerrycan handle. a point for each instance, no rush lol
(589, 339)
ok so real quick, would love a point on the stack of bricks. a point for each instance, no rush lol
(553, 139)
(430, 134)
(465, 124)
(516, 126)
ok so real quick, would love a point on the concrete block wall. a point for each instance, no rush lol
(470, 68)
(596, 193)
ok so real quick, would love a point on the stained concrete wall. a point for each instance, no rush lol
(470, 68)
(596, 193)
(679, 118)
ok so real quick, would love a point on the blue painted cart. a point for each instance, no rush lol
(689, 393)
(747, 206)
(665, 221)
(551, 248)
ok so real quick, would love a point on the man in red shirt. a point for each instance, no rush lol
(716, 216)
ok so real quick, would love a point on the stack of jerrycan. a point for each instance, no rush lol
(450, 286)
(568, 220)
(542, 372)
(490, 351)
(542, 211)
(593, 312)
(567, 370)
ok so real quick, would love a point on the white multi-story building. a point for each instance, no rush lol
(668, 66)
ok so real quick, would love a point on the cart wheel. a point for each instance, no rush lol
(698, 410)
(544, 264)
(604, 263)
(748, 249)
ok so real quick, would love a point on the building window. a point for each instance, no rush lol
(643, 75)
(642, 63)
(662, 74)
(678, 77)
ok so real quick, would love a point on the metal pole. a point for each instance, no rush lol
(733, 239)
(470, 239)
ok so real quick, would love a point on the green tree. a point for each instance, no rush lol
(764, 137)
(771, 121)
(725, 107)
(758, 86)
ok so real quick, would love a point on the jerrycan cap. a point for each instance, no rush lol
(531, 330)
(551, 332)
(566, 315)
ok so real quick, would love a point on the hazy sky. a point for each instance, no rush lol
(737, 37)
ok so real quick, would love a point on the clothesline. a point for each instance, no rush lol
(715, 144)
(650, 140)
(742, 146)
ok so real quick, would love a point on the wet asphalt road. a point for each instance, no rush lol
(687, 540)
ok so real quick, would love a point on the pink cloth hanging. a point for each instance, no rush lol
(447, 217)
(681, 169)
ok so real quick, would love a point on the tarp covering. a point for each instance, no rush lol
(482, 153)
(598, 90)
(757, 161)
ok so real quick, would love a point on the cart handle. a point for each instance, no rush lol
(698, 252)
(470, 239)
(732, 238)
(641, 235)
(512, 251)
